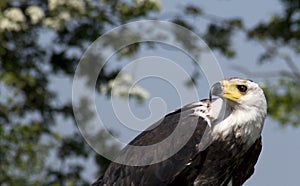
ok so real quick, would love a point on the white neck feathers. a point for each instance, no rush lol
(244, 122)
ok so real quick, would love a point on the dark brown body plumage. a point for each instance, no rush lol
(197, 163)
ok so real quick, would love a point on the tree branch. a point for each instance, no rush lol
(273, 51)
(263, 74)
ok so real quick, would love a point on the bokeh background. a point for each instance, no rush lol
(42, 43)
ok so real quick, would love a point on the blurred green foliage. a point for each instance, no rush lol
(29, 108)
(283, 101)
(32, 152)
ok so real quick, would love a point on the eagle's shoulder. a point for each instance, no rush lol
(165, 126)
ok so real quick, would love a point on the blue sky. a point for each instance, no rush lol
(279, 161)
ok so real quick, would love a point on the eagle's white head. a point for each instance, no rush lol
(244, 109)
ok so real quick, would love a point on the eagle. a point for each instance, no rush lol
(222, 149)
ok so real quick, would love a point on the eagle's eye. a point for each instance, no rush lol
(242, 88)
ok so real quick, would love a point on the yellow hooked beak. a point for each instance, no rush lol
(229, 90)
